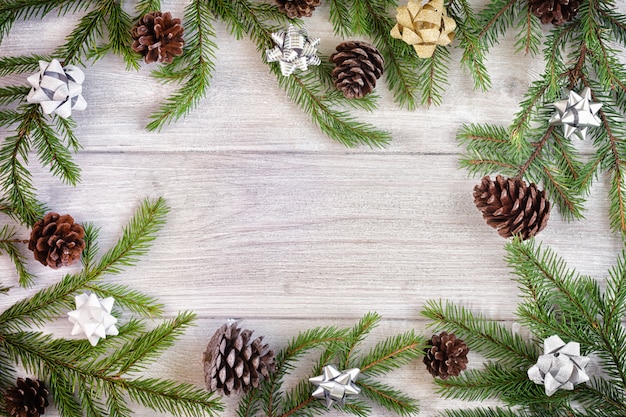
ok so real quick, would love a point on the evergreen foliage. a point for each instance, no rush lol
(341, 347)
(100, 381)
(555, 300)
(582, 53)
(106, 28)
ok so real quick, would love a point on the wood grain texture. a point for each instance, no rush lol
(274, 223)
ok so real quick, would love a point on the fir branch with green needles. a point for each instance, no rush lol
(555, 300)
(193, 69)
(258, 21)
(582, 53)
(98, 380)
(339, 346)
(106, 28)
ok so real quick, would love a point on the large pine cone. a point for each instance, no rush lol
(556, 12)
(512, 207)
(28, 399)
(232, 363)
(56, 240)
(297, 8)
(158, 37)
(447, 355)
(359, 65)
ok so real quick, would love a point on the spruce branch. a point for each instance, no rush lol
(136, 238)
(528, 37)
(144, 7)
(540, 152)
(119, 25)
(53, 140)
(95, 380)
(486, 412)
(555, 300)
(432, 76)
(338, 346)
(8, 246)
(12, 93)
(12, 10)
(246, 18)
(401, 63)
(473, 50)
(490, 338)
(193, 69)
(20, 64)
(494, 20)
(14, 175)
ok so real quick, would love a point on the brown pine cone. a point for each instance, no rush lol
(358, 66)
(297, 8)
(28, 399)
(232, 363)
(56, 240)
(158, 37)
(447, 355)
(556, 12)
(512, 207)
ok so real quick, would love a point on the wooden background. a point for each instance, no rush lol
(275, 224)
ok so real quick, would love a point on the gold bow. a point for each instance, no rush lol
(424, 27)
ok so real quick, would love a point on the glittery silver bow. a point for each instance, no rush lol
(294, 50)
(58, 89)
(334, 386)
(560, 367)
(93, 318)
(577, 113)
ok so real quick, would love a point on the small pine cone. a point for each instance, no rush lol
(512, 207)
(158, 37)
(56, 240)
(556, 12)
(358, 66)
(232, 363)
(297, 8)
(28, 399)
(447, 355)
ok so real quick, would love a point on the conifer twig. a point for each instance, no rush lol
(97, 380)
(340, 345)
(555, 301)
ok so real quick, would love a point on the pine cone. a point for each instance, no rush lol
(56, 240)
(512, 207)
(556, 12)
(158, 37)
(447, 356)
(28, 399)
(358, 66)
(297, 8)
(232, 363)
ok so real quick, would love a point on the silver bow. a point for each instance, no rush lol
(93, 317)
(560, 367)
(57, 89)
(334, 386)
(577, 113)
(294, 50)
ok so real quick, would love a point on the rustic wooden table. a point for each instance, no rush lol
(273, 223)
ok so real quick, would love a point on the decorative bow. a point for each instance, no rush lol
(57, 89)
(294, 50)
(424, 27)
